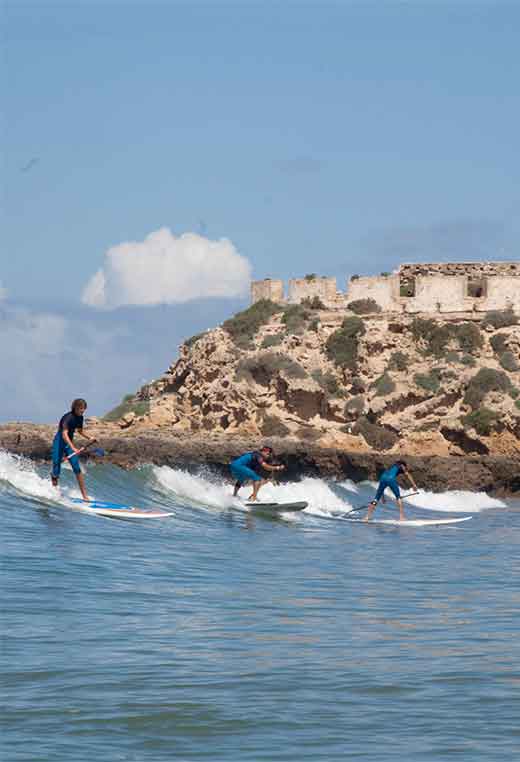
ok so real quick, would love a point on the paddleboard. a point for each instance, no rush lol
(410, 522)
(118, 510)
(278, 507)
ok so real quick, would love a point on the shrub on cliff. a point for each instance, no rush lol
(354, 406)
(383, 385)
(468, 336)
(436, 337)
(486, 380)
(127, 406)
(295, 318)
(482, 420)
(273, 340)
(509, 362)
(313, 303)
(244, 325)
(193, 340)
(328, 382)
(500, 318)
(375, 436)
(342, 345)
(499, 343)
(429, 381)
(261, 368)
(399, 361)
(364, 306)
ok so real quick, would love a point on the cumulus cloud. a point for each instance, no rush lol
(165, 269)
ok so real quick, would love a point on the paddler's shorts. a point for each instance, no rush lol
(383, 484)
(59, 450)
(244, 474)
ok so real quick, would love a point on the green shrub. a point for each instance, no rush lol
(314, 325)
(499, 343)
(377, 437)
(385, 275)
(398, 361)
(273, 340)
(514, 393)
(244, 325)
(449, 375)
(364, 306)
(261, 368)
(517, 404)
(383, 385)
(508, 361)
(313, 303)
(311, 277)
(486, 380)
(452, 356)
(430, 382)
(342, 345)
(128, 397)
(126, 406)
(482, 420)
(468, 360)
(328, 382)
(354, 406)
(468, 336)
(295, 318)
(354, 277)
(193, 339)
(274, 427)
(500, 318)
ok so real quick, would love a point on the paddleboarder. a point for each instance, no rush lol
(248, 468)
(389, 479)
(63, 444)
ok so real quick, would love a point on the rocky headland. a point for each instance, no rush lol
(337, 392)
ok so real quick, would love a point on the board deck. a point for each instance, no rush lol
(118, 510)
(410, 522)
(278, 507)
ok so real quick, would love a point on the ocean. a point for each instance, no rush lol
(217, 634)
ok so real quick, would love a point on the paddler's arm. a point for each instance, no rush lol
(411, 480)
(269, 467)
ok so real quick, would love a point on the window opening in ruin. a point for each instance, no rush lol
(407, 286)
(476, 288)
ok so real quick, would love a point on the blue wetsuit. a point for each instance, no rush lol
(246, 467)
(389, 479)
(60, 448)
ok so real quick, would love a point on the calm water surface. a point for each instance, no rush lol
(222, 636)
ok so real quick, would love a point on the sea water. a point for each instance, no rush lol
(222, 635)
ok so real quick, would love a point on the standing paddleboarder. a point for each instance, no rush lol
(246, 468)
(63, 445)
(389, 479)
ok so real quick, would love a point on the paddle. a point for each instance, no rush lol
(366, 507)
(96, 451)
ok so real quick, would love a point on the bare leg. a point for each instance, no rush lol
(81, 483)
(236, 488)
(371, 509)
(54, 480)
(399, 502)
(256, 487)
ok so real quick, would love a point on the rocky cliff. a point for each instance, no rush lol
(357, 380)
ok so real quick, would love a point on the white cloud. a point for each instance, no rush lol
(165, 269)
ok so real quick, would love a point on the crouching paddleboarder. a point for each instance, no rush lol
(247, 468)
(63, 445)
(389, 479)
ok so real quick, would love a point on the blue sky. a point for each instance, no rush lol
(331, 137)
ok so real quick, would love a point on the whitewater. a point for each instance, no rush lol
(223, 634)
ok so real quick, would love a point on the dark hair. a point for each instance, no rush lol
(78, 401)
(269, 449)
(402, 463)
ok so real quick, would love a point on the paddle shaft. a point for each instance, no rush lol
(364, 507)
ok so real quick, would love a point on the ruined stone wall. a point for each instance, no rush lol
(472, 269)
(267, 289)
(383, 290)
(308, 288)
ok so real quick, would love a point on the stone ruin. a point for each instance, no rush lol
(459, 287)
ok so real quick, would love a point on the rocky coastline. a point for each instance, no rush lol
(496, 475)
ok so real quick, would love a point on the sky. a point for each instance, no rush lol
(156, 156)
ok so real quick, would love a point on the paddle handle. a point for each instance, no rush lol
(97, 451)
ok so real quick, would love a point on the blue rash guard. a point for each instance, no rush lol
(60, 448)
(246, 467)
(389, 479)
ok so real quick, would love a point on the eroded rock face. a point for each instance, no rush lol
(290, 380)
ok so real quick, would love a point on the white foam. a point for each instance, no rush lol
(457, 501)
(19, 473)
(196, 490)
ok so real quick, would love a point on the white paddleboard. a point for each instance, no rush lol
(278, 507)
(410, 522)
(117, 510)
